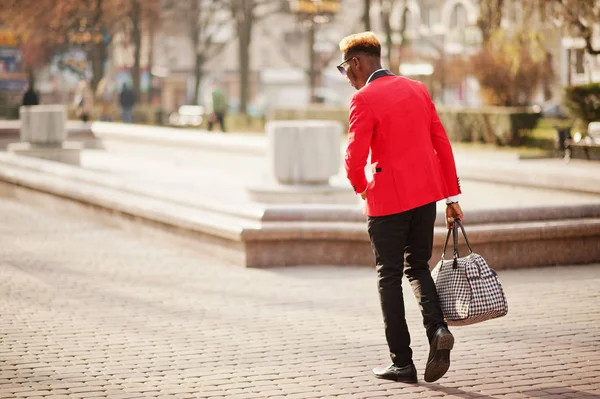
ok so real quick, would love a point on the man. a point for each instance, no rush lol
(127, 101)
(84, 100)
(218, 108)
(413, 168)
(30, 97)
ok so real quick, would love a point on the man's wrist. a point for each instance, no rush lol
(453, 199)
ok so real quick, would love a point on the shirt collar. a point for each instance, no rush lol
(370, 77)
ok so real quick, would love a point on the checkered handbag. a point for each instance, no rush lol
(468, 289)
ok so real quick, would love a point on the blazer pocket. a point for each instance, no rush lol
(376, 194)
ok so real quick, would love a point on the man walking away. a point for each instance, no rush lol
(218, 105)
(413, 167)
(84, 100)
(127, 101)
(30, 97)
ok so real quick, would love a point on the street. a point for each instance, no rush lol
(96, 306)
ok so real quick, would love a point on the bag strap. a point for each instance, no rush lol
(454, 231)
(455, 239)
(446, 243)
(460, 224)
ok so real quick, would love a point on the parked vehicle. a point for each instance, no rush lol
(187, 116)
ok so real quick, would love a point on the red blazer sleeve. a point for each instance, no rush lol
(443, 149)
(362, 124)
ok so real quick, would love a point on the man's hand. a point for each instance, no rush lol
(363, 195)
(453, 212)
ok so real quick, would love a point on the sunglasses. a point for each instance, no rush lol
(341, 67)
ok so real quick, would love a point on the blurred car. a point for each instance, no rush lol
(187, 116)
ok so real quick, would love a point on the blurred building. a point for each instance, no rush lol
(429, 38)
(279, 57)
(440, 33)
(578, 66)
(13, 79)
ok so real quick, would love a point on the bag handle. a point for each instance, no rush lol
(460, 224)
(454, 230)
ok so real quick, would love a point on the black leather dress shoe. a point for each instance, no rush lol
(438, 361)
(395, 373)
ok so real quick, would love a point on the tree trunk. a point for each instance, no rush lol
(569, 67)
(490, 18)
(198, 77)
(245, 19)
(367, 15)
(244, 74)
(150, 62)
(97, 55)
(195, 36)
(98, 50)
(137, 42)
(311, 62)
(30, 75)
(387, 28)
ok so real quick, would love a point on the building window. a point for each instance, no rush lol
(434, 16)
(458, 19)
(407, 20)
(579, 59)
(426, 14)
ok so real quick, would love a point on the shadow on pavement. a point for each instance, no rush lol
(559, 392)
(457, 391)
(540, 392)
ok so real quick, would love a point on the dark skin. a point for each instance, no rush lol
(359, 67)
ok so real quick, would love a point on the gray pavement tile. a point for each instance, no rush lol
(91, 308)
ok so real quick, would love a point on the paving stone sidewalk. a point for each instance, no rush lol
(96, 307)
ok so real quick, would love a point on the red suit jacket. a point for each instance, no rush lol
(411, 156)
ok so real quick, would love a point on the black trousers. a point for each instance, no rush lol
(220, 117)
(402, 244)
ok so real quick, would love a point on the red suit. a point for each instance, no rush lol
(411, 156)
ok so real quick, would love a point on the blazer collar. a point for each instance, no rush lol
(378, 74)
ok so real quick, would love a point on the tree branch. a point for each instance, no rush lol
(584, 30)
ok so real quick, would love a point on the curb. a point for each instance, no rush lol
(263, 237)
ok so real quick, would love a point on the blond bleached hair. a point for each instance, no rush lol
(365, 42)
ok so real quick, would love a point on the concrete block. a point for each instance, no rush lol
(304, 152)
(43, 124)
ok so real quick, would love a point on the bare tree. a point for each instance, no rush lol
(245, 14)
(490, 17)
(317, 61)
(203, 21)
(207, 20)
(142, 16)
(136, 37)
(386, 12)
(579, 17)
(54, 23)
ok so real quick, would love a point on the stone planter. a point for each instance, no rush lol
(43, 124)
(302, 157)
(43, 135)
(304, 152)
